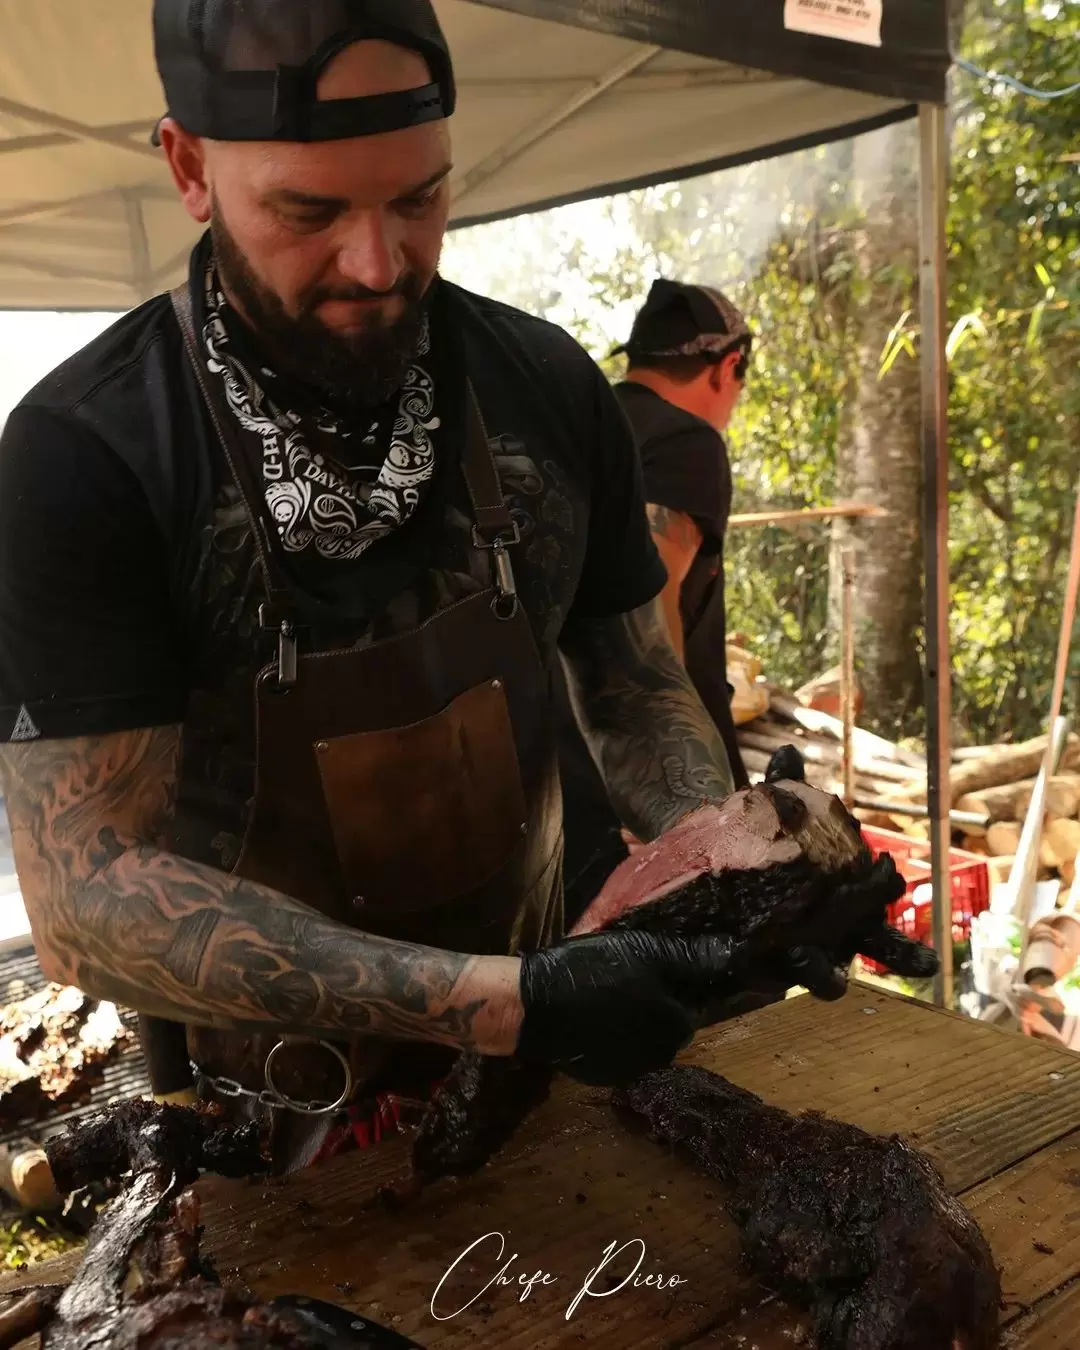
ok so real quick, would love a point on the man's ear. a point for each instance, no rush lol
(725, 369)
(186, 155)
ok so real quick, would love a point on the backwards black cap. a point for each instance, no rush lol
(248, 70)
(678, 319)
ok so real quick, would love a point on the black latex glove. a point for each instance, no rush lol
(609, 1007)
(867, 903)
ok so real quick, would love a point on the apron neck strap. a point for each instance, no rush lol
(492, 518)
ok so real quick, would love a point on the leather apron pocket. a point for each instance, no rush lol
(424, 813)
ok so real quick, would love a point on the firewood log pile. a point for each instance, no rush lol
(883, 770)
(994, 782)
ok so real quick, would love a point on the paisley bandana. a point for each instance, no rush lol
(315, 501)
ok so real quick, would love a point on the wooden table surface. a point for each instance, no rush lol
(998, 1113)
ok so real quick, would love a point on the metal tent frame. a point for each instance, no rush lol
(916, 68)
(644, 91)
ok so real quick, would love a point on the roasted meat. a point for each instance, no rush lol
(777, 866)
(856, 1227)
(53, 1047)
(142, 1282)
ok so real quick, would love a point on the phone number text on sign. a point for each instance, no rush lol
(849, 20)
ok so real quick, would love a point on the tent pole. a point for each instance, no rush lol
(933, 186)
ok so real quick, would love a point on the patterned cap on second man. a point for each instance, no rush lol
(678, 319)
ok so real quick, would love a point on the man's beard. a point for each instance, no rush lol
(356, 372)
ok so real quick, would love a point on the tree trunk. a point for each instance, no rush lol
(878, 459)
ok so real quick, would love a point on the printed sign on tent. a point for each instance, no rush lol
(850, 20)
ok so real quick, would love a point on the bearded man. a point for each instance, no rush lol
(287, 560)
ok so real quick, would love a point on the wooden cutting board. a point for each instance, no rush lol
(998, 1113)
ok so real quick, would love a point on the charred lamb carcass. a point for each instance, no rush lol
(142, 1284)
(774, 866)
(856, 1227)
(141, 1281)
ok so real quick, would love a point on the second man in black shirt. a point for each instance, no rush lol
(688, 354)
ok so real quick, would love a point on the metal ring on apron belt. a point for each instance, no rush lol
(309, 1108)
(505, 605)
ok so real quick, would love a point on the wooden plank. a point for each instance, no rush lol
(974, 1097)
(882, 1062)
(797, 515)
(1031, 1217)
(559, 1208)
(1051, 1326)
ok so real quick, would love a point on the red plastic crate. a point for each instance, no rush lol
(969, 877)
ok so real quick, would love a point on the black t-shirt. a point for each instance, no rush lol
(127, 578)
(686, 468)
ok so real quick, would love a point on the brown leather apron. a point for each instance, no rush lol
(408, 788)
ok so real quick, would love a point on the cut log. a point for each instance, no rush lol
(1006, 764)
(824, 694)
(1010, 801)
(906, 774)
(26, 1176)
(1062, 797)
(999, 803)
(769, 736)
(814, 752)
(1003, 838)
(1060, 843)
(879, 820)
(865, 741)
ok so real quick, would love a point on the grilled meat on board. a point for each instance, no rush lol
(856, 1227)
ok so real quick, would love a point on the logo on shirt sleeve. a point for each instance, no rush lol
(24, 728)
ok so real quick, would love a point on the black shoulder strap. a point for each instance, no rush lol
(228, 434)
(490, 512)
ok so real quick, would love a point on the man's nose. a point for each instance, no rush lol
(370, 253)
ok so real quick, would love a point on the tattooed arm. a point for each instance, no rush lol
(677, 540)
(115, 914)
(655, 745)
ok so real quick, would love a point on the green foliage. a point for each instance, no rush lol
(1015, 401)
(26, 1239)
(780, 238)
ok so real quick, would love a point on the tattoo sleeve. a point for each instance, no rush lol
(117, 915)
(646, 727)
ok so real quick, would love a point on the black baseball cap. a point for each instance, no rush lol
(678, 319)
(248, 70)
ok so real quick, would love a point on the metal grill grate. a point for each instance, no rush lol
(124, 1077)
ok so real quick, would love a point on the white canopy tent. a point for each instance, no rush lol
(88, 217)
(560, 100)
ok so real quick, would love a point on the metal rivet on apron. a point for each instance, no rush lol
(321, 747)
(358, 902)
(524, 827)
(496, 684)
